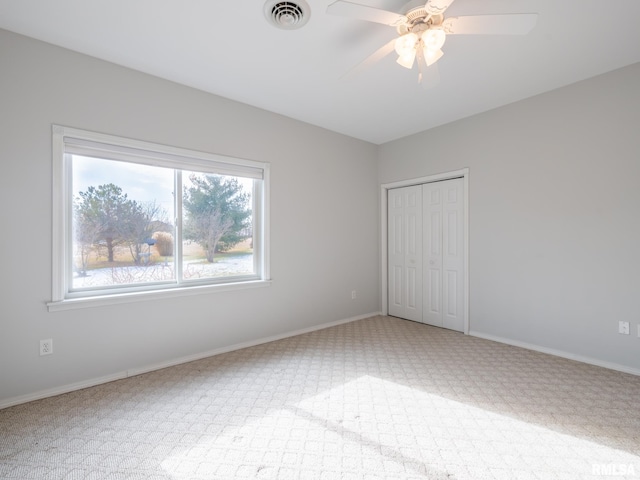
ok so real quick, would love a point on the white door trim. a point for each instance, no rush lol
(462, 173)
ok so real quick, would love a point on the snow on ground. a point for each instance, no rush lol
(158, 272)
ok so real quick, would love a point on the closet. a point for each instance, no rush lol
(426, 253)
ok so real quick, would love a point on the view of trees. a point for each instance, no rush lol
(106, 217)
(216, 212)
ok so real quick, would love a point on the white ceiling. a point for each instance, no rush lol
(228, 48)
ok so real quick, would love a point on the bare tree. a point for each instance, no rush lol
(143, 221)
(209, 227)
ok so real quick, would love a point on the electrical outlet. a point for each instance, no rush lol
(46, 347)
(353, 294)
(623, 327)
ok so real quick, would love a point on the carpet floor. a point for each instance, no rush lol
(380, 398)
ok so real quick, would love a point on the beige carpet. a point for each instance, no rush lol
(380, 398)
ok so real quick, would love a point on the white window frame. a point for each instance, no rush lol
(68, 141)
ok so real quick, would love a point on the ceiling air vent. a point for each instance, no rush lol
(287, 15)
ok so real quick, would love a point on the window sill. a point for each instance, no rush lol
(104, 300)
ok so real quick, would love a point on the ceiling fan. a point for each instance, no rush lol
(423, 29)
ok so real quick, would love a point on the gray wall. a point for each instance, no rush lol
(554, 214)
(554, 226)
(324, 220)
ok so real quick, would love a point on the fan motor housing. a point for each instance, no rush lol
(415, 21)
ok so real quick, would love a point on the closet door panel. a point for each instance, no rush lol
(453, 255)
(432, 233)
(405, 252)
(443, 254)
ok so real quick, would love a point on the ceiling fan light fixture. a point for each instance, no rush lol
(434, 38)
(432, 56)
(407, 60)
(423, 28)
(406, 44)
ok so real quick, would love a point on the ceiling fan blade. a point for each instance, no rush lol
(435, 7)
(376, 56)
(364, 12)
(510, 24)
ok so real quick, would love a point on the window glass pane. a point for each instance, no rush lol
(123, 224)
(217, 226)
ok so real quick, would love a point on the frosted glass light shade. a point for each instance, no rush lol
(434, 38)
(407, 60)
(406, 43)
(432, 56)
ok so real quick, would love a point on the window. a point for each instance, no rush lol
(132, 218)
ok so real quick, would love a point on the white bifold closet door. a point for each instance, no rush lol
(405, 252)
(426, 253)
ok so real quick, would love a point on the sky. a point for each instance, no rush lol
(142, 183)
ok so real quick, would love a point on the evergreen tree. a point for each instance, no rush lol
(105, 214)
(216, 212)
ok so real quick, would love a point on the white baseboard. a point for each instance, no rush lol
(558, 353)
(52, 392)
